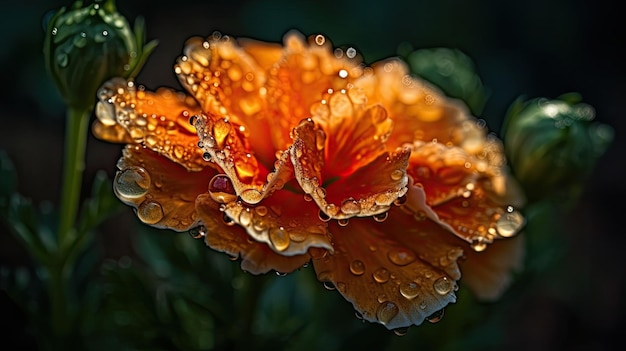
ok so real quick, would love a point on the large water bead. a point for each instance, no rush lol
(221, 189)
(131, 183)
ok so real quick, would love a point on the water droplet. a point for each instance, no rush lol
(410, 290)
(150, 212)
(227, 220)
(509, 223)
(386, 312)
(308, 197)
(351, 52)
(261, 210)
(221, 189)
(343, 73)
(329, 286)
(381, 217)
(245, 217)
(358, 315)
(435, 317)
(206, 156)
(397, 174)
(401, 331)
(381, 275)
(198, 232)
(132, 182)
(281, 274)
(319, 39)
(478, 244)
(400, 201)
(401, 256)
(350, 206)
(343, 222)
(443, 285)
(279, 238)
(357, 267)
(323, 216)
(251, 196)
(105, 111)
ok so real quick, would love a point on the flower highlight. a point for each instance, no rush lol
(284, 154)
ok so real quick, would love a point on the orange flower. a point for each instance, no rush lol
(281, 155)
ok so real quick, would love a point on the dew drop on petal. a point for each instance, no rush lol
(381, 275)
(357, 267)
(381, 217)
(245, 217)
(105, 111)
(401, 256)
(329, 286)
(443, 285)
(198, 232)
(478, 244)
(343, 222)
(509, 223)
(221, 189)
(410, 290)
(320, 39)
(251, 196)
(150, 212)
(435, 317)
(350, 206)
(401, 331)
(397, 174)
(132, 182)
(386, 312)
(279, 238)
(323, 216)
(261, 210)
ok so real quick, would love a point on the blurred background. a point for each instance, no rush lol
(573, 299)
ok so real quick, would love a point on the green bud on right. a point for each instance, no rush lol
(553, 145)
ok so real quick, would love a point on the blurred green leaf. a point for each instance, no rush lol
(452, 71)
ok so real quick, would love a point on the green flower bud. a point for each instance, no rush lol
(452, 71)
(89, 44)
(553, 145)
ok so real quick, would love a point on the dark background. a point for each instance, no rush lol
(531, 48)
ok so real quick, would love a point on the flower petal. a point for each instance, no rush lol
(460, 190)
(489, 273)
(366, 192)
(159, 120)
(397, 272)
(419, 110)
(287, 223)
(257, 257)
(162, 192)
(225, 144)
(229, 82)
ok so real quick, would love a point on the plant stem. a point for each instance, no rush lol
(73, 167)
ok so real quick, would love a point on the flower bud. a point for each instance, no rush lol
(552, 145)
(453, 72)
(89, 44)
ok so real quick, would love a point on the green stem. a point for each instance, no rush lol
(73, 167)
